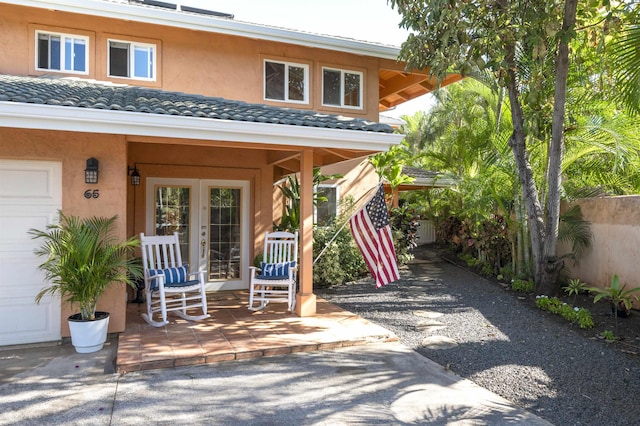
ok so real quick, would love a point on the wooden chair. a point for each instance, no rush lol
(169, 286)
(275, 280)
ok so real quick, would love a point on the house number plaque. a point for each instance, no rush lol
(91, 193)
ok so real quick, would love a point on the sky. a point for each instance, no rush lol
(366, 20)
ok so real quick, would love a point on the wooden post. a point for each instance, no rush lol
(305, 299)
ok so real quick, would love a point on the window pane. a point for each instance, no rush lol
(296, 83)
(326, 210)
(55, 53)
(68, 53)
(142, 62)
(119, 59)
(43, 51)
(351, 89)
(79, 55)
(274, 81)
(331, 87)
(151, 62)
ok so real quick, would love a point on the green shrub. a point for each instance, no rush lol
(341, 261)
(487, 269)
(523, 286)
(575, 287)
(575, 315)
(404, 224)
(609, 336)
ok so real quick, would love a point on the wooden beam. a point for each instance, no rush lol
(427, 85)
(277, 157)
(397, 84)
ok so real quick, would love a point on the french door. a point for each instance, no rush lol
(212, 220)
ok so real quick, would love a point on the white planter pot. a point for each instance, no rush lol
(89, 336)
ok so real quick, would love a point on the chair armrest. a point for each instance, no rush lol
(198, 274)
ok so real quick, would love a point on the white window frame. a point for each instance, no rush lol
(132, 65)
(286, 64)
(342, 88)
(63, 50)
(315, 208)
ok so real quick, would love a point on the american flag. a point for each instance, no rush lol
(372, 232)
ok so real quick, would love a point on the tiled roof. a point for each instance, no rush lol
(418, 173)
(79, 93)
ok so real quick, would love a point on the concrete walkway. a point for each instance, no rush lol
(378, 383)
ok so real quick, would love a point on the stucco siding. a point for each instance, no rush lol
(73, 149)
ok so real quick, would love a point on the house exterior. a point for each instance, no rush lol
(207, 111)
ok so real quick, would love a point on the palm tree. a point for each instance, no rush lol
(82, 258)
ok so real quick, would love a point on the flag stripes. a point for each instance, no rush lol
(372, 233)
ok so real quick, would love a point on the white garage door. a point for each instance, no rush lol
(30, 197)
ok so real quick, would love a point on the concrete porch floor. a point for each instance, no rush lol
(235, 333)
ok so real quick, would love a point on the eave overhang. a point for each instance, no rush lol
(48, 117)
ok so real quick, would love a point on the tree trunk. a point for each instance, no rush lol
(517, 142)
(552, 265)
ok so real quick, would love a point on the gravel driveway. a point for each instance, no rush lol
(486, 334)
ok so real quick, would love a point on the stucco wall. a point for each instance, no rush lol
(72, 150)
(188, 61)
(615, 249)
(359, 179)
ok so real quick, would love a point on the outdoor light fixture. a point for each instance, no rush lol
(135, 175)
(91, 172)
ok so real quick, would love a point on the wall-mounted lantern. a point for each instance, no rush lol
(134, 174)
(91, 172)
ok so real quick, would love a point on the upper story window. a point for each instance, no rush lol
(341, 88)
(285, 81)
(132, 60)
(326, 208)
(62, 52)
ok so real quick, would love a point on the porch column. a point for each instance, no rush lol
(305, 299)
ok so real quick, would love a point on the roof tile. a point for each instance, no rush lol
(78, 93)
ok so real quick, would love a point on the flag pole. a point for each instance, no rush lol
(347, 221)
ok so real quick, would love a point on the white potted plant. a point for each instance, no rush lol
(82, 259)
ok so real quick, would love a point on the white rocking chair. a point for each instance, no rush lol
(168, 284)
(275, 281)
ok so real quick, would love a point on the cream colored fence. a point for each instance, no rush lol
(615, 249)
(426, 232)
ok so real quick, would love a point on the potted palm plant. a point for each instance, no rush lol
(82, 258)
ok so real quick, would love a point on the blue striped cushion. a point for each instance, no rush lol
(172, 276)
(276, 271)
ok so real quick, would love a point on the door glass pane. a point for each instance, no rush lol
(224, 233)
(172, 212)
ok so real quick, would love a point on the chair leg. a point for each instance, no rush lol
(203, 304)
(203, 295)
(261, 291)
(250, 295)
(292, 297)
(148, 317)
